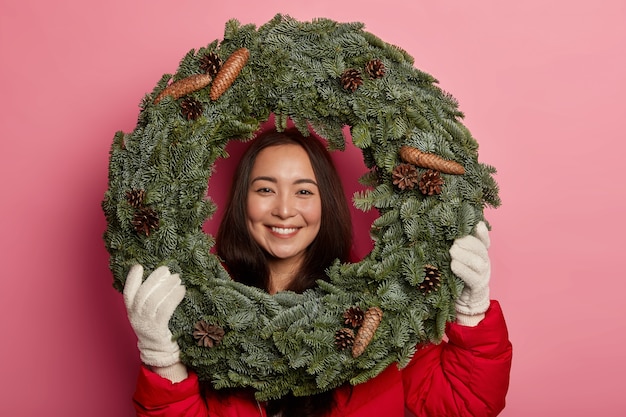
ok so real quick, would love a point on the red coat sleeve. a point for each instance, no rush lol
(467, 376)
(156, 396)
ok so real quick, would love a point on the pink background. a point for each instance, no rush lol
(542, 85)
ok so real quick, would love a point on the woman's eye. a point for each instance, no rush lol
(264, 190)
(305, 192)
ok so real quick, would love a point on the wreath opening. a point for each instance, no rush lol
(347, 163)
(424, 180)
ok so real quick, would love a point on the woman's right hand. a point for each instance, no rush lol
(150, 306)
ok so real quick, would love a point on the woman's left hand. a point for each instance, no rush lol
(470, 262)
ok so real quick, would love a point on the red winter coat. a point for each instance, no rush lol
(467, 376)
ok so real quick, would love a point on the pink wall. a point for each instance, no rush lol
(542, 85)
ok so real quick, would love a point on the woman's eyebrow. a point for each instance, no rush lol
(305, 181)
(274, 180)
(264, 178)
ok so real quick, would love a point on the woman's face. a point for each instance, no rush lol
(284, 206)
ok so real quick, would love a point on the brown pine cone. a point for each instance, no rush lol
(145, 220)
(207, 335)
(344, 338)
(351, 79)
(353, 316)
(184, 86)
(211, 64)
(375, 68)
(229, 72)
(135, 198)
(405, 176)
(430, 160)
(432, 279)
(364, 336)
(430, 183)
(191, 108)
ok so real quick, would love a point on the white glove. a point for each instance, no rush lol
(470, 262)
(150, 306)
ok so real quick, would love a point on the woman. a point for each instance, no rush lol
(287, 220)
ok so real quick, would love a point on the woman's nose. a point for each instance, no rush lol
(284, 207)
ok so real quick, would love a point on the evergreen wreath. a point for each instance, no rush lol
(424, 180)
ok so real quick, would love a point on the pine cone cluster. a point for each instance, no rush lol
(432, 279)
(207, 335)
(375, 68)
(405, 176)
(344, 338)
(367, 322)
(144, 218)
(211, 64)
(351, 79)
(430, 182)
(353, 316)
(191, 108)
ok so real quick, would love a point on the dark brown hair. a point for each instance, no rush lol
(245, 259)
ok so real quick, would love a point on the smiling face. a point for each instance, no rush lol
(284, 208)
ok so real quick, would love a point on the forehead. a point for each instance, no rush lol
(283, 160)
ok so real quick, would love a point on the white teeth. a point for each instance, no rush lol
(283, 231)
